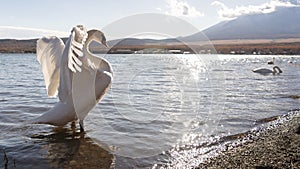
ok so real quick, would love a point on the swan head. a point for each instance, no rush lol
(97, 36)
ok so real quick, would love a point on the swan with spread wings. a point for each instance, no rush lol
(71, 71)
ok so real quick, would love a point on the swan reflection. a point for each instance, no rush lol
(69, 148)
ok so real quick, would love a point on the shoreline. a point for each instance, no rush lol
(276, 147)
(289, 46)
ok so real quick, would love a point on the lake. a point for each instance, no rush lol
(163, 110)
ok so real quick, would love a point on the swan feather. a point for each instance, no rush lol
(49, 52)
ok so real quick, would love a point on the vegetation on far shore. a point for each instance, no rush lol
(259, 47)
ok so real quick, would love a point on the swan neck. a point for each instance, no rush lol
(87, 46)
(276, 68)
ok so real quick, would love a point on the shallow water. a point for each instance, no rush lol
(162, 110)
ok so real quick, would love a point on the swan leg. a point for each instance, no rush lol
(81, 125)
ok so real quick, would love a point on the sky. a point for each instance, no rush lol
(57, 16)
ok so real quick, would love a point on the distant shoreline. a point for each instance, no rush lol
(290, 46)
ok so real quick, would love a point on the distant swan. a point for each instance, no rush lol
(276, 69)
(78, 77)
(271, 62)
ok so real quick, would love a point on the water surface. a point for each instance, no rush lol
(162, 110)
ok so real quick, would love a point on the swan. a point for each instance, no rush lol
(276, 69)
(71, 71)
(271, 62)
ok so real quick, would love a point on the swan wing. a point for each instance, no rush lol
(77, 41)
(90, 85)
(49, 51)
(71, 61)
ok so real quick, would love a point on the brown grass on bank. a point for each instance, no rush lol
(280, 46)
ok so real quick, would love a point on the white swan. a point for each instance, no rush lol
(276, 69)
(271, 62)
(80, 77)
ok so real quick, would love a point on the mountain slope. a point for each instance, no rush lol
(283, 23)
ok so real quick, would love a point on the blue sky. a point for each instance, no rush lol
(63, 15)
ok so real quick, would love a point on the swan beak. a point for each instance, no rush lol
(105, 44)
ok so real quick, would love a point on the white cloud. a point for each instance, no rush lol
(182, 8)
(295, 2)
(230, 13)
(12, 32)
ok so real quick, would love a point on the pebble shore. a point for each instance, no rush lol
(276, 148)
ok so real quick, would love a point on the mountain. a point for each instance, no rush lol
(276, 26)
(283, 23)
(140, 42)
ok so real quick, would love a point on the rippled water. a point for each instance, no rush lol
(162, 110)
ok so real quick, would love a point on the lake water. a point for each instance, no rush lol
(162, 110)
